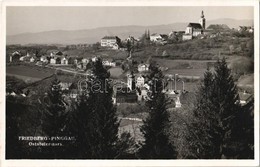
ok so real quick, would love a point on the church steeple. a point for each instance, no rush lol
(202, 20)
(202, 14)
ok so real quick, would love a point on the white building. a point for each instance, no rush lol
(22, 58)
(94, 59)
(84, 60)
(143, 67)
(32, 59)
(195, 29)
(53, 61)
(155, 37)
(64, 61)
(178, 102)
(109, 63)
(140, 81)
(110, 41)
(130, 81)
(142, 95)
(44, 59)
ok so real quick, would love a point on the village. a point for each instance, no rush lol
(134, 78)
(57, 89)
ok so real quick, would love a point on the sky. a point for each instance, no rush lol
(27, 19)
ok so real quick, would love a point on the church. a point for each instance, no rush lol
(195, 29)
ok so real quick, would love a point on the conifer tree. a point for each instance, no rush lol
(217, 115)
(129, 48)
(55, 116)
(14, 110)
(97, 134)
(200, 137)
(226, 106)
(80, 126)
(105, 123)
(156, 144)
(243, 136)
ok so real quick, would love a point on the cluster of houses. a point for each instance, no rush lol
(56, 58)
(136, 89)
(192, 31)
(246, 29)
(17, 56)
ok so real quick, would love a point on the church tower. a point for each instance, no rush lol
(202, 20)
(131, 81)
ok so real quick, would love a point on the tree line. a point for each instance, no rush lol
(220, 126)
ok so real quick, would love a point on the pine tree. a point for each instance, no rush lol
(225, 101)
(129, 48)
(80, 126)
(216, 116)
(200, 133)
(105, 123)
(243, 136)
(14, 110)
(55, 116)
(156, 144)
(148, 35)
(95, 117)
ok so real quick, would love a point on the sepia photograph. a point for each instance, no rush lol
(108, 82)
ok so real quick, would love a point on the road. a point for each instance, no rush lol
(65, 70)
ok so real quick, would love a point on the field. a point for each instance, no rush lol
(28, 73)
(116, 72)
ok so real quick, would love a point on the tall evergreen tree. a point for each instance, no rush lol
(129, 47)
(14, 110)
(243, 136)
(95, 117)
(156, 144)
(216, 117)
(105, 132)
(200, 136)
(80, 126)
(226, 106)
(55, 116)
(148, 35)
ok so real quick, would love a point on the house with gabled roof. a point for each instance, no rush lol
(244, 98)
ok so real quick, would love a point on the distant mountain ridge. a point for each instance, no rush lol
(94, 35)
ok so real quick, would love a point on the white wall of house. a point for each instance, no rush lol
(188, 30)
(64, 61)
(196, 33)
(108, 42)
(187, 37)
(155, 38)
(143, 67)
(52, 61)
(22, 58)
(32, 59)
(140, 81)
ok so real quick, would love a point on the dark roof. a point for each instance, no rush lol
(164, 35)
(244, 96)
(59, 53)
(218, 27)
(110, 37)
(195, 25)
